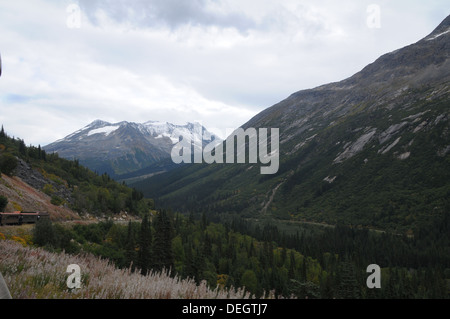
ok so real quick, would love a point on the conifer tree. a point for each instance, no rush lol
(44, 233)
(130, 250)
(145, 246)
(348, 287)
(189, 269)
(22, 147)
(162, 245)
(3, 202)
(8, 163)
(292, 267)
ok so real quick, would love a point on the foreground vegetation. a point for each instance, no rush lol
(206, 255)
(39, 274)
(311, 262)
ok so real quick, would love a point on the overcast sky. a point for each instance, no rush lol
(218, 62)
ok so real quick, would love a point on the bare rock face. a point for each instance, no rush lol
(356, 147)
(25, 192)
(390, 132)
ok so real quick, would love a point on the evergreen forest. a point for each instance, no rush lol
(266, 256)
(312, 262)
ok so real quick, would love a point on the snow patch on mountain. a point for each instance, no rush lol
(434, 37)
(104, 130)
(124, 147)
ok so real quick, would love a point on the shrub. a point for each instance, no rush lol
(16, 206)
(8, 163)
(48, 189)
(19, 240)
(56, 200)
(43, 233)
(3, 203)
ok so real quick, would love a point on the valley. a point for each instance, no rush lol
(370, 150)
(362, 179)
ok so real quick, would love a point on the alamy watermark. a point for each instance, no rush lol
(374, 280)
(373, 20)
(239, 144)
(74, 16)
(74, 279)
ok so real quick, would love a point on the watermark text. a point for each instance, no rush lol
(74, 280)
(242, 146)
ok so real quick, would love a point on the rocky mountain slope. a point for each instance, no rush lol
(126, 147)
(371, 150)
(24, 191)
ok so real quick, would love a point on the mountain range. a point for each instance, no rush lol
(127, 149)
(371, 150)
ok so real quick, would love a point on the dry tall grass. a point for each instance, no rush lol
(33, 273)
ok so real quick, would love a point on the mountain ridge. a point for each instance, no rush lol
(373, 75)
(370, 150)
(126, 147)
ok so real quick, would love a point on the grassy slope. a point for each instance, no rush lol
(33, 273)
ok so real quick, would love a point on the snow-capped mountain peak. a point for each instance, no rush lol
(123, 147)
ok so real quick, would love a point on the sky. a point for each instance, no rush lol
(66, 63)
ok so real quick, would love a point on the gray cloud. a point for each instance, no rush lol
(214, 61)
(168, 13)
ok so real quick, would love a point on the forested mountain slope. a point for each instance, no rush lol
(370, 150)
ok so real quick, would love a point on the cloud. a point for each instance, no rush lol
(168, 13)
(217, 62)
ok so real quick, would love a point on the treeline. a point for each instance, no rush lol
(89, 191)
(373, 188)
(318, 263)
(140, 245)
(11, 147)
(413, 266)
(188, 248)
(430, 246)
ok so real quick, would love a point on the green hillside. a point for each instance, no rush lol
(67, 182)
(369, 189)
(371, 150)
